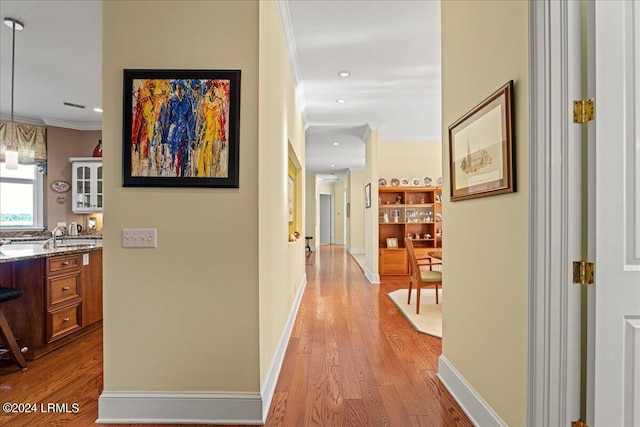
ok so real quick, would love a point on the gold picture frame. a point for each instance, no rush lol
(392, 243)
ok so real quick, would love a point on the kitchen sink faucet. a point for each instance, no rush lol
(54, 234)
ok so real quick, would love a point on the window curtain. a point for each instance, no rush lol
(31, 139)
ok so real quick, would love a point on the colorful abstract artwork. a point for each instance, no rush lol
(181, 128)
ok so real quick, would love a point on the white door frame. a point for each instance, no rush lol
(551, 363)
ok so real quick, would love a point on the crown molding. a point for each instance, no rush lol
(287, 32)
(72, 125)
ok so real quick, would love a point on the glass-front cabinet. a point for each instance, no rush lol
(86, 185)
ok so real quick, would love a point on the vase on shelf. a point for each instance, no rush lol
(97, 152)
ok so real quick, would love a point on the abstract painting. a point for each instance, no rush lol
(181, 128)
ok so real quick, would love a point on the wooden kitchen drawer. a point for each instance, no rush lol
(63, 288)
(63, 321)
(62, 263)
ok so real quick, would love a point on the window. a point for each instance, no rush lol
(21, 205)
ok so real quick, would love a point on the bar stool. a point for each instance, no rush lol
(6, 336)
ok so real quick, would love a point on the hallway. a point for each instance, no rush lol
(352, 360)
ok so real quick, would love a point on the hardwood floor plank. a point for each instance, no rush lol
(353, 360)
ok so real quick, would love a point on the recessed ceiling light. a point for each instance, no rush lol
(344, 73)
(341, 101)
(97, 110)
(333, 166)
(336, 143)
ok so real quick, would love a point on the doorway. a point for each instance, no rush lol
(326, 223)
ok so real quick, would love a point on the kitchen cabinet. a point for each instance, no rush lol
(62, 292)
(86, 196)
(61, 301)
(91, 288)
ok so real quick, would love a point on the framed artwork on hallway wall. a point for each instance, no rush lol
(481, 148)
(181, 128)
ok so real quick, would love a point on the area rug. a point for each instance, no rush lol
(429, 321)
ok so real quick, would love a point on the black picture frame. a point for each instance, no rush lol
(482, 148)
(181, 128)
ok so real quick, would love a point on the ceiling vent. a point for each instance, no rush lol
(71, 104)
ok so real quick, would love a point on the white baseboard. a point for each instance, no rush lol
(467, 397)
(355, 251)
(124, 407)
(373, 278)
(271, 379)
(338, 242)
(128, 407)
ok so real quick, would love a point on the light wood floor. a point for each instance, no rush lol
(353, 360)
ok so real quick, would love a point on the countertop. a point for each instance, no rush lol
(20, 251)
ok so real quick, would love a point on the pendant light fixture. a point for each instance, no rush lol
(11, 150)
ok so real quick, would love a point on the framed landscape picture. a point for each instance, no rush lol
(481, 148)
(181, 128)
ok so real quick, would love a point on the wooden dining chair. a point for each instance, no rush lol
(419, 275)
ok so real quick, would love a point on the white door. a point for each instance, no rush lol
(325, 218)
(617, 317)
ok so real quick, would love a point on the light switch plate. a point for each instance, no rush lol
(139, 238)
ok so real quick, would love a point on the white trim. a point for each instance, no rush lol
(549, 109)
(355, 251)
(287, 31)
(49, 121)
(372, 278)
(130, 407)
(338, 242)
(478, 411)
(271, 379)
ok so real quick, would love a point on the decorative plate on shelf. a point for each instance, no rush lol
(395, 182)
(416, 182)
(427, 181)
(404, 182)
(60, 186)
(382, 182)
(439, 181)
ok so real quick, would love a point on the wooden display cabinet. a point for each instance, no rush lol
(408, 212)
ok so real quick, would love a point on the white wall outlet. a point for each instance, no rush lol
(139, 238)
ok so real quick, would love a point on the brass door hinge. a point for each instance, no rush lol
(579, 424)
(583, 110)
(583, 272)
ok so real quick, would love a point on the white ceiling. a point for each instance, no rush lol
(391, 48)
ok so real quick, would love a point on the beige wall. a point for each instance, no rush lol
(484, 45)
(61, 145)
(355, 223)
(371, 214)
(281, 263)
(310, 217)
(410, 159)
(183, 316)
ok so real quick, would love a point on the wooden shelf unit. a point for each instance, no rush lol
(403, 211)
